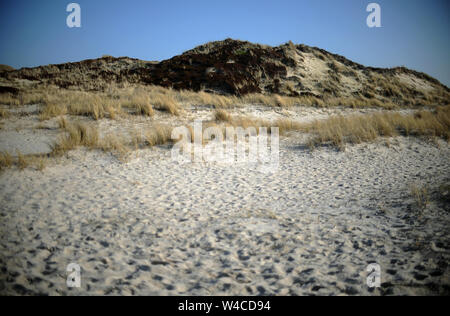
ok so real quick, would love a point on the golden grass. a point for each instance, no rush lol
(76, 135)
(22, 161)
(6, 160)
(202, 98)
(271, 100)
(92, 105)
(116, 144)
(222, 116)
(39, 162)
(356, 129)
(111, 104)
(83, 135)
(340, 130)
(139, 103)
(51, 110)
(336, 131)
(62, 122)
(158, 135)
(359, 103)
(286, 125)
(377, 91)
(30, 97)
(117, 101)
(166, 103)
(119, 145)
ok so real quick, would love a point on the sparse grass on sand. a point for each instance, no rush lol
(336, 131)
(112, 104)
(420, 196)
(51, 110)
(158, 135)
(76, 135)
(356, 129)
(83, 135)
(116, 101)
(38, 162)
(22, 161)
(6, 160)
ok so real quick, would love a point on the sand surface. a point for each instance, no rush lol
(155, 227)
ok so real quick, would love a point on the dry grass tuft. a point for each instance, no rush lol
(420, 196)
(81, 135)
(76, 135)
(35, 96)
(88, 105)
(51, 110)
(22, 161)
(166, 103)
(62, 122)
(340, 130)
(158, 135)
(115, 144)
(140, 103)
(286, 125)
(40, 163)
(222, 116)
(204, 98)
(6, 160)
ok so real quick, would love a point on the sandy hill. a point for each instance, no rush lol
(239, 67)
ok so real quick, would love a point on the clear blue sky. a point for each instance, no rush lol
(414, 33)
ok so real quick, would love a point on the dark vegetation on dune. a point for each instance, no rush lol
(233, 69)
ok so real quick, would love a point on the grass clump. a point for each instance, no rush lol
(140, 104)
(22, 161)
(165, 103)
(115, 144)
(158, 135)
(420, 196)
(222, 116)
(76, 135)
(51, 110)
(6, 160)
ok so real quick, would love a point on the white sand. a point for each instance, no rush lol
(155, 227)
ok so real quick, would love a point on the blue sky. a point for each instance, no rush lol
(414, 33)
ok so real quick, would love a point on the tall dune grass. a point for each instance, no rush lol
(118, 101)
(39, 162)
(340, 130)
(76, 135)
(354, 129)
